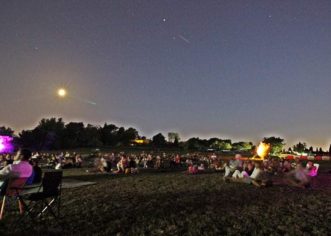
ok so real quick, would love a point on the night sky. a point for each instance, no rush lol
(231, 69)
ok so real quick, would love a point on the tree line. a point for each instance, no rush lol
(55, 134)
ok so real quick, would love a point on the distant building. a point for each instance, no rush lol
(140, 142)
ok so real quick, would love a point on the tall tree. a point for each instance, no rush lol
(277, 144)
(242, 146)
(48, 133)
(73, 135)
(196, 144)
(172, 136)
(6, 131)
(311, 149)
(299, 147)
(129, 135)
(159, 140)
(222, 144)
(26, 139)
(92, 136)
(108, 134)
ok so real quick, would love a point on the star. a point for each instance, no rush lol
(164, 19)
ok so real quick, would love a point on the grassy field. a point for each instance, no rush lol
(172, 203)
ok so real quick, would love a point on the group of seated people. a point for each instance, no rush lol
(261, 173)
(258, 173)
(59, 160)
(129, 163)
(62, 160)
(125, 164)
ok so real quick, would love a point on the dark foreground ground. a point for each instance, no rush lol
(172, 203)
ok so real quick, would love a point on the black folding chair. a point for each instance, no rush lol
(12, 189)
(47, 196)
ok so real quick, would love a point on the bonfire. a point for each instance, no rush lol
(262, 151)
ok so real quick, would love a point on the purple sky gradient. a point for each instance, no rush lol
(237, 69)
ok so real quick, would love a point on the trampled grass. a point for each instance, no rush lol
(172, 203)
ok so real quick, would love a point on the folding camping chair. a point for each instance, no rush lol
(12, 188)
(47, 196)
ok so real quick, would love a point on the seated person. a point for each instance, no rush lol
(299, 177)
(158, 162)
(177, 160)
(122, 164)
(220, 166)
(22, 169)
(78, 161)
(201, 167)
(103, 165)
(36, 173)
(233, 165)
(285, 167)
(248, 170)
(193, 169)
(133, 166)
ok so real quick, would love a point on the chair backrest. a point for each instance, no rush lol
(313, 171)
(316, 169)
(14, 186)
(52, 182)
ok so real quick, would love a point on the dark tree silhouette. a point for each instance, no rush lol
(299, 147)
(6, 131)
(108, 134)
(159, 140)
(73, 135)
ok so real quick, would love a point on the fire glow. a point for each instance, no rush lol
(6, 144)
(263, 150)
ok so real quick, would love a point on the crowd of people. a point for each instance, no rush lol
(238, 169)
(262, 173)
(47, 160)
(259, 173)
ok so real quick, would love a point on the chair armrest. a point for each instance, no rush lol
(16, 188)
(32, 186)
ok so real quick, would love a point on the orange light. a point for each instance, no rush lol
(263, 150)
(139, 141)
